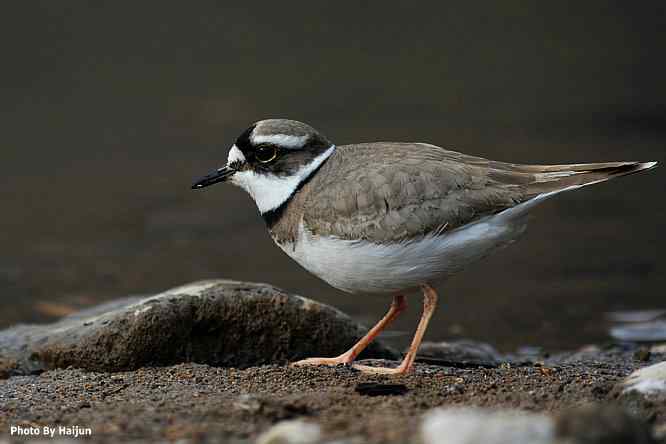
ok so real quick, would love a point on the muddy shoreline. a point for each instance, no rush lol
(201, 403)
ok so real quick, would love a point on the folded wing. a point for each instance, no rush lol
(390, 192)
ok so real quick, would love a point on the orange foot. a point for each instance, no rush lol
(342, 359)
(402, 369)
(407, 364)
(348, 357)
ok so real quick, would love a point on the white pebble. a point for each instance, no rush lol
(475, 425)
(647, 380)
(291, 432)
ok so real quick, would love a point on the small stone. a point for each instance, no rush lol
(658, 348)
(476, 425)
(249, 403)
(455, 389)
(291, 432)
(377, 389)
(649, 380)
(650, 331)
(642, 354)
(599, 424)
(460, 353)
(546, 371)
(660, 432)
(632, 316)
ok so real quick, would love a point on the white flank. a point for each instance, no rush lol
(359, 266)
(282, 140)
(270, 191)
(365, 267)
(235, 155)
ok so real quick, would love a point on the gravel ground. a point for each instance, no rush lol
(208, 404)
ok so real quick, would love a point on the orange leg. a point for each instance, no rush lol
(429, 304)
(397, 306)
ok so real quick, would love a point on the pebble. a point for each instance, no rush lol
(460, 353)
(476, 425)
(291, 432)
(651, 331)
(649, 380)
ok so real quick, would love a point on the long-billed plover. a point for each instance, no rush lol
(389, 217)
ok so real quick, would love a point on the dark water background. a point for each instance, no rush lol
(108, 112)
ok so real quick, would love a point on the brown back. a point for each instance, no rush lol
(390, 192)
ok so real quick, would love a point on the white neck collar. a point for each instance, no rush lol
(270, 191)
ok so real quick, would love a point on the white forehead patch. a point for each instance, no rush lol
(270, 191)
(282, 140)
(235, 155)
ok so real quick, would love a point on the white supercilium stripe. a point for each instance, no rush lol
(282, 140)
(270, 191)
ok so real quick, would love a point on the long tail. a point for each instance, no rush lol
(544, 181)
(552, 179)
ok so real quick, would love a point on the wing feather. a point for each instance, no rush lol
(389, 192)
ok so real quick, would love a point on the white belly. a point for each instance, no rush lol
(365, 267)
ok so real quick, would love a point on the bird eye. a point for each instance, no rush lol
(266, 153)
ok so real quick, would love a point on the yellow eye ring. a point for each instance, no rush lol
(266, 153)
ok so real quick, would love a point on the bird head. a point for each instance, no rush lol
(271, 159)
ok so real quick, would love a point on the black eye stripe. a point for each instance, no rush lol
(243, 142)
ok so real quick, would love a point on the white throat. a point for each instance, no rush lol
(270, 191)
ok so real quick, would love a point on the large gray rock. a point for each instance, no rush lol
(220, 322)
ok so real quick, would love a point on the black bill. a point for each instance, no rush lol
(220, 175)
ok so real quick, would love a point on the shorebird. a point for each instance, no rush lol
(389, 217)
